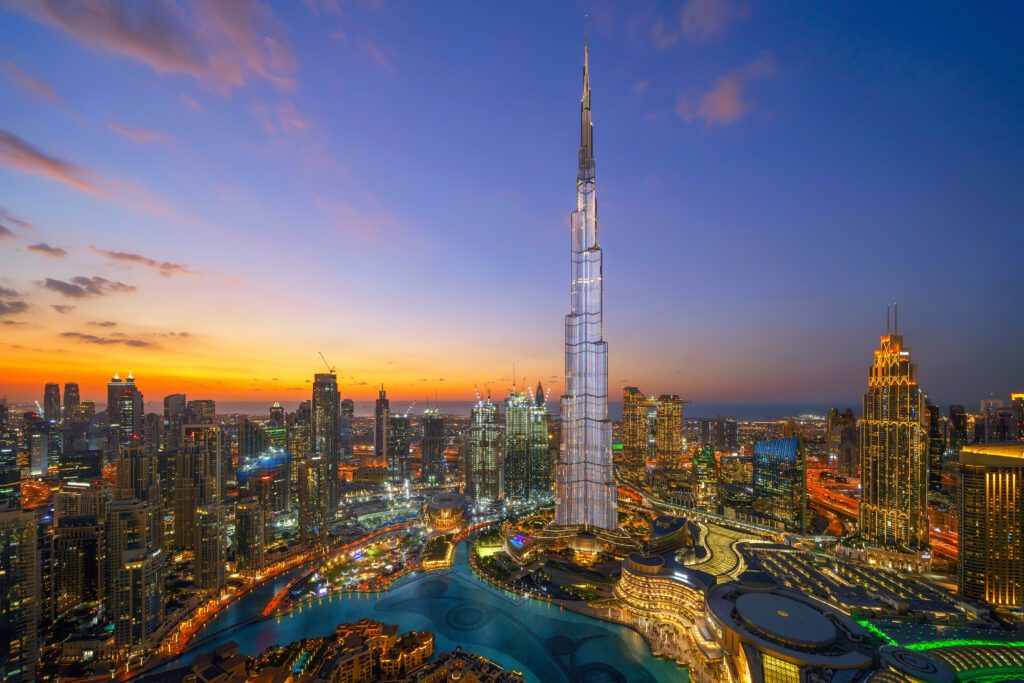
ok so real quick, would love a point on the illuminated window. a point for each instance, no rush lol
(777, 671)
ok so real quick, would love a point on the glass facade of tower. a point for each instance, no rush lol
(527, 473)
(432, 446)
(399, 445)
(705, 478)
(585, 492)
(652, 430)
(327, 434)
(483, 453)
(780, 482)
(893, 452)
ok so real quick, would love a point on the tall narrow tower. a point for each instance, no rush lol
(893, 463)
(585, 487)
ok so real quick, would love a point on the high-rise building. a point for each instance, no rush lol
(188, 494)
(527, 467)
(432, 447)
(209, 547)
(252, 440)
(381, 422)
(124, 408)
(309, 481)
(840, 430)
(348, 417)
(398, 448)
(893, 451)
(19, 596)
(134, 576)
(72, 402)
(958, 433)
(991, 497)
(780, 482)
(542, 453)
(201, 411)
(10, 472)
(1017, 411)
(705, 478)
(483, 453)
(276, 416)
(936, 443)
(585, 493)
(51, 403)
(720, 433)
(250, 536)
(634, 428)
(174, 418)
(208, 441)
(327, 434)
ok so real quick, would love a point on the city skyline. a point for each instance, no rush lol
(200, 152)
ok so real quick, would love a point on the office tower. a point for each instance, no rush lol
(174, 417)
(250, 536)
(137, 477)
(381, 421)
(201, 411)
(79, 517)
(936, 444)
(72, 402)
(300, 429)
(483, 453)
(789, 428)
(348, 417)
(310, 472)
(134, 577)
(39, 458)
(19, 595)
(719, 432)
(705, 478)
(10, 472)
(991, 497)
(780, 482)
(124, 408)
(432, 447)
(542, 453)
(668, 432)
(208, 441)
(209, 546)
(585, 493)
(516, 465)
(634, 428)
(276, 416)
(51, 403)
(87, 411)
(188, 494)
(398, 448)
(327, 434)
(893, 443)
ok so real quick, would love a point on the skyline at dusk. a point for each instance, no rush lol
(209, 196)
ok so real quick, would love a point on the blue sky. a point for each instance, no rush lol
(389, 182)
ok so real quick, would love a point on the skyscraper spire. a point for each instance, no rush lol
(585, 494)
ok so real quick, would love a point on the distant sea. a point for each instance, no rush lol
(742, 411)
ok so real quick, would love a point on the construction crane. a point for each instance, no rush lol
(330, 368)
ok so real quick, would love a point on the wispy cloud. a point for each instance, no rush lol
(103, 323)
(641, 86)
(284, 118)
(24, 156)
(192, 103)
(47, 250)
(5, 233)
(698, 21)
(12, 307)
(8, 217)
(62, 308)
(165, 268)
(32, 84)
(94, 339)
(82, 287)
(724, 103)
(141, 136)
(224, 45)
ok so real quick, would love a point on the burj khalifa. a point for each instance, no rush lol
(585, 492)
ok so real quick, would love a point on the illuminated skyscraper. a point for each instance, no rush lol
(991, 496)
(202, 411)
(432, 446)
(398, 448)
(250, 535)
(19, 588)
(585, 492)
(652, 430)
(780, 482)
(348, 416)
(327, 434)
(936, 444)
(134, 577)
(893, 451)
(634, 428)
(124, 408)
(526, 467)
(51, 403)
(381, 421)
(210, 541)
(72, 401)
(483, 453)
(705, 478)
(276, 415)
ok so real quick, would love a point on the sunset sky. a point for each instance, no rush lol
(210, 193)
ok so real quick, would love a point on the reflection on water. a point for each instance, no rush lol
(543, 641)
